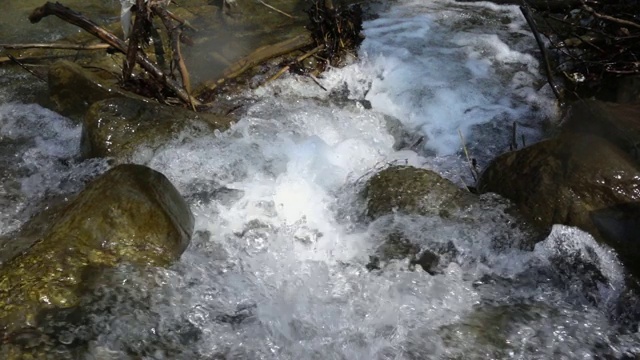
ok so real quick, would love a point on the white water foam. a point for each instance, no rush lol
(277, 267)
(38, 154)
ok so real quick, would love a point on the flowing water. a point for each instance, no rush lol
(277, 268)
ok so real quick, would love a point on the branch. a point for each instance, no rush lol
(79, 20)
(56, 46)
(545, 56)
(12, 58)
(174, 35)
(275, 9)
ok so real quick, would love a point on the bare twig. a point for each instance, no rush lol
(13, 59)
(545, 56)
(590, 10)
(134, 39)
(474, 171)
(182, 22)
(275, 9)
(178, 60)
(297, 60)
(79, 20)
(56, 46)
(256, 57)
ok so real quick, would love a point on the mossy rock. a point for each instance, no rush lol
(414, 191)
(131, 214)
(116, 127)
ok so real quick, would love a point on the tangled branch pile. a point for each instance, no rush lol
(336, 29)
(594, 41)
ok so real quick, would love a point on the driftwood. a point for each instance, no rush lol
(333, 33)
(275, 9)
(86, 24)
(16, 61)
(545, 55)
(175, 34)
(623, 22)
(57, 46)
(256, 57)
(297, 60)
(594, 43)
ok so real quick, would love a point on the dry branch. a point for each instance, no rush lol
(297, 60)
(81, 21)
(275, 9)
(590, 10)
(56, 46)
(13, 59)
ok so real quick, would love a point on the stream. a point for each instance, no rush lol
(277, 267)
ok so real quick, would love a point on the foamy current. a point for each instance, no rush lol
(277, 266)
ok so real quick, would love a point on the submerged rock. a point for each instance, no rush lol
(131, 214)
(117, 127)
(618, 123)
(416, 191)
(579, 180)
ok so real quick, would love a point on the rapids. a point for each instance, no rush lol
(277, 268)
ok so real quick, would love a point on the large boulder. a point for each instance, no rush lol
(117, 127)
(130, 215)
(618, 123)
(412, 190)
(575, 179)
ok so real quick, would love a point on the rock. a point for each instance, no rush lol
(396, 246)
(117, 127)
(429, 261)
(73, 88)
(578, 180)
(628, 89)
(619, 123)
(413, 190)
(130, 215)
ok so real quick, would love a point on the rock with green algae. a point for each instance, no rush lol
(131, 214)
(116, 127)
(412, 190)
(578, 180)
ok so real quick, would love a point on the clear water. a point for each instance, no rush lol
(277, 267)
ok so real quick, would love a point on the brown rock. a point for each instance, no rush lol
(579, 180)
(414, 191)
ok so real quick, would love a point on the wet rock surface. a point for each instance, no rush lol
(413, 190)
(422, 196)
(130, 215)
(618, 123)
(73, 88)
(116, 127)
(575, 179)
